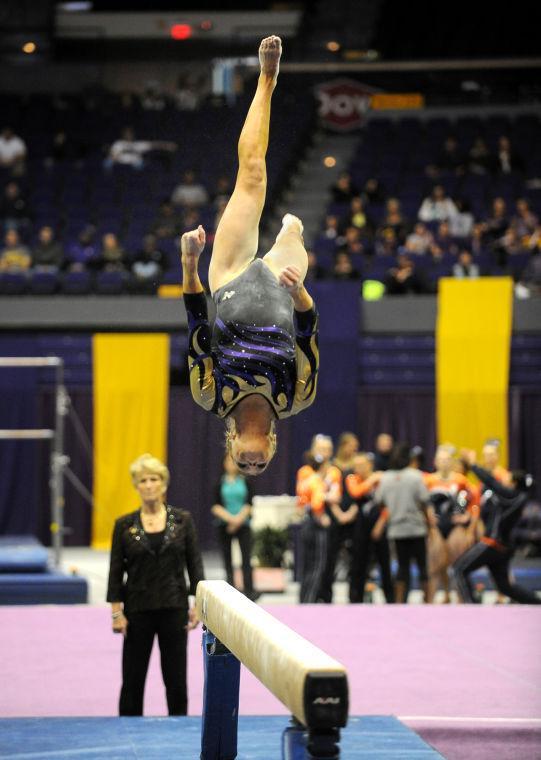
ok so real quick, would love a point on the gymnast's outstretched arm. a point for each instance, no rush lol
(200, 361)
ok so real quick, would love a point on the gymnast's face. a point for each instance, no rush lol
(252, 453)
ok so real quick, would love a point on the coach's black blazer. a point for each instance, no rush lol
(147, 580)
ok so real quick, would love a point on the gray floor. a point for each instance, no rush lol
(94, 566)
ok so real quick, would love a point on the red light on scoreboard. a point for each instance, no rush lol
(181, 31)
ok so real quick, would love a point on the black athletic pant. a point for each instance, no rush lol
(497, 561)
(244, 537)
(406, 550)
(314, 540)
(364, 549)
(168, 625)
(338, 536)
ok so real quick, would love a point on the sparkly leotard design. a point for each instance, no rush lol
(258, 344)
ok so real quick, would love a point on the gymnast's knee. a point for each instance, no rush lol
(252, 172)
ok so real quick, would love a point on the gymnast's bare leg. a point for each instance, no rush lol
(236, 240)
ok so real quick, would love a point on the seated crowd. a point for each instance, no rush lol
(130, 242)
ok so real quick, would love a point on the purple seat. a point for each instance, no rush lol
(44, 283)
(77, 283)
(13, 283)
(110, 283)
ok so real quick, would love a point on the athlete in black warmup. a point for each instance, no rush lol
(501, 511)
(259, 362)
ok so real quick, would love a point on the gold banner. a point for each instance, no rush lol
(473, 345)
(131, 391)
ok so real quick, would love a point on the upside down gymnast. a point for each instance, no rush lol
(259, 362)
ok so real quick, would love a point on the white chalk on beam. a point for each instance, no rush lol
(310, 683)
(30, 361)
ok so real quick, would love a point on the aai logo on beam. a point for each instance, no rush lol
(343, 104)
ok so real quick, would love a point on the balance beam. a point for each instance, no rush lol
(310, 683)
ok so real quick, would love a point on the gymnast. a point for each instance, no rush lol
(260, 360)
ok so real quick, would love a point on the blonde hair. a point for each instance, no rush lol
(148, 463)
(230, 430)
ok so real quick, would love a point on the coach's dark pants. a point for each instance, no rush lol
(168, 625)
(497, 561)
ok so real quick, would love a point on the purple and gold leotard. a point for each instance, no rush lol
(258, 344)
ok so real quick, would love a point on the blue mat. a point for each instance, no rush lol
(42, 588)
(369, 738)
(22, 554)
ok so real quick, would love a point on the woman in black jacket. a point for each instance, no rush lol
(151, 550)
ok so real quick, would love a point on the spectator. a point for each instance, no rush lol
(360, 487)
(373, 193)
(444, 240)
(186, 95)
(12, 152)
(508, 245)
(343, 190)
(64, 148)
(451, 158)
(497, 223)
(406, 514)
(530, 279)
(384, 448)
(465, 268)
(167, 223)
(507, 160)
(152, 98)
(343, 268)
(437, 206)
(232, 509)
(386, 242)
(318, 488)
(112, 257)
(461, 223)
(315, 271)
(222, 190)
(48, 253)
(477, 240)
(331, 227)
(83, 253)
(14, 256)
(395, 220)
(148, 265)
(357, 217)
(524, 222)
(420, 241)
(479, 158)
(351, 241)
(130, 152)
(189, 192)
(348, 446)
(404, 279)
(14, 208)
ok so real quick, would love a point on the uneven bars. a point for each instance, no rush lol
(26, 434)
(30, 361)
(310, 683)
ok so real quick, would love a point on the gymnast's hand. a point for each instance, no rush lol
(290, 279)
(192, 244)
